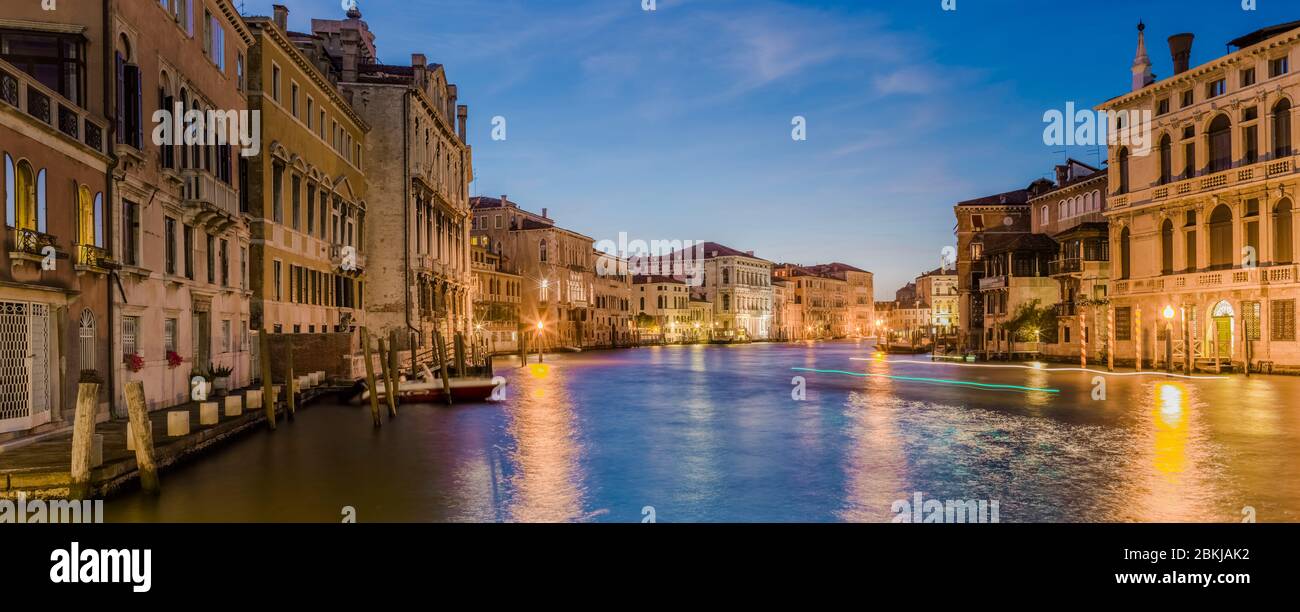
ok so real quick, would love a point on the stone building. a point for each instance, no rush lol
(980, 220)
(739, 285)
(663, 310)
(787, 311)
(55, 262)
(612, 298)
(938, 288)
(557, 267)
(418, 170)
(1015, 275)
(496, 299)
(823, 301)
(1202, 227)
(178, 229)
(701, 318)
(1073, 214)
(306, 194)
(860, 295)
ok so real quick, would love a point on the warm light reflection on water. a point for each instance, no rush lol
(711, 433)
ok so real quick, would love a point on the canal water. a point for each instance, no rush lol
(713, 433)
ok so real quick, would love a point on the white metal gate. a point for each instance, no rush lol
(24, 365)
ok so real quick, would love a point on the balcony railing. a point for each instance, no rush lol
(202, 188)
(31, 242)
(21, 91)
(1211, 280)
(993, 282)
(91, 255)
(1207, 183)
(337, 260)
(1065, 266)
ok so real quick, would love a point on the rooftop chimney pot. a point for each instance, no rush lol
(1180, 47)
(281, 16)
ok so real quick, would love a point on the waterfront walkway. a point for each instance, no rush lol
(43, 468)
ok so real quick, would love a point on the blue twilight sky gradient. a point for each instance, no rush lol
(676, 124)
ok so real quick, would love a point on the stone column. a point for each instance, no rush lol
(1267, 252)
(1202, 238)
(1238, 210)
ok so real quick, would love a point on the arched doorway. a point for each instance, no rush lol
(1222, 319)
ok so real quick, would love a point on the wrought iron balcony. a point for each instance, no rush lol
(92, 256)
(21, 91)
(31, 242)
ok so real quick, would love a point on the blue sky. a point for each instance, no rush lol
(676, 124)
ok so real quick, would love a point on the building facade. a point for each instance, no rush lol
(418, 166)
(860, 295)
(496, 299)
(980, 220)
(306, 194)
(558, 268)
(938, 288)
(55, 265)
(1202, 228)
(739, 286)
(663, 311)
(178, 231)
(612, 295)
(1073, 215)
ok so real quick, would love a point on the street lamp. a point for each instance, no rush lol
(1169, 338)
(540, 327)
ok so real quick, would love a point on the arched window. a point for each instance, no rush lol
(1282, 129)
(1167, 247)
(99, 219)
(1124, 241)
(1123, 170)
(1221, 255)
(542, 250)
(85, 217)
(25, 213)
(1045, 217)
(1220, 143)
(86, 338)
(1166, 159)
(1096, 200)
(1282, 232)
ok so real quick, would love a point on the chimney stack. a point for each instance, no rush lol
(1062, 175)
(418, 64)
(462, 117)
(505, 200)
(350, 44)
(544, 214)
(1180, 46)
(281, 13)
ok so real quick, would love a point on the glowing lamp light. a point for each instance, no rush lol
(1169, 312)
(540, 325)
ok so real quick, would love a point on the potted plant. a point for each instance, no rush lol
(220, 377)
(134, 362)
(174, 359)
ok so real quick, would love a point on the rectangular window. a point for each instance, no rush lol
(279, 282)
(169, 246)
(243, 268)
(188, 233)
(277, 193)
(1250, 141)
(293, 100)
(1124, 323)
(210, 249)
(1162, 107)
(1278, 67)
(225, 263)
(1248, 77)
(1189, 98)
(275, 82)
(130, 325)
(1217, 88)
(1283, 320)
(169, 335)
(225, 335)
(239, 71)
(57, 61)
(297, 201)
(131, 233)
(310, 112)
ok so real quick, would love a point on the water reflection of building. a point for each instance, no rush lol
(1205, 223)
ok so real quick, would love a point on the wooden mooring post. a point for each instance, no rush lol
(370, 378)
(290, 379)
(83, 439)
(138, 414)
(523, 346)
(386, 370)
(268, 388)
(459, 347)
(440, 346)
